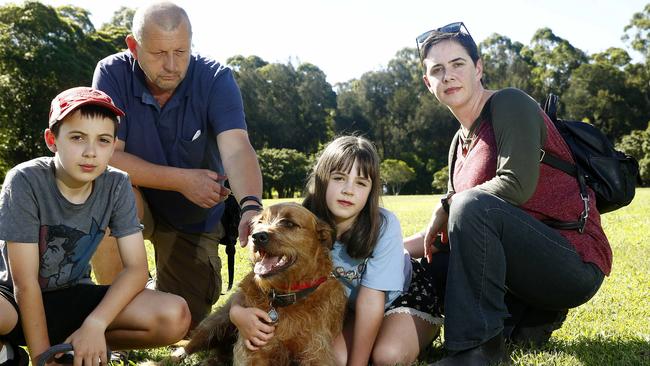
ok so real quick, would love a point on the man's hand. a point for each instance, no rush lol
(203, 187)
(89, 344)
(245, 226)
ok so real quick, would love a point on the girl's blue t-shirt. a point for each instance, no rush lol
(387, 269)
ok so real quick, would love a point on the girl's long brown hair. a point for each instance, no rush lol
(340, 155)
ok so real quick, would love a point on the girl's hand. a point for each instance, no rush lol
(89, 343)
(253, 324)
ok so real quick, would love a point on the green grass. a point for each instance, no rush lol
(613, 328)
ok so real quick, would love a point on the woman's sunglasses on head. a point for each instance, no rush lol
(456, 27)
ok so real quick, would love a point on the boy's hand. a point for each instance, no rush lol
(253, 325)
(89, 343)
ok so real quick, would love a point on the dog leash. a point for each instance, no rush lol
(66, 359)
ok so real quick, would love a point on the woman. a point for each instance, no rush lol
(499, 193)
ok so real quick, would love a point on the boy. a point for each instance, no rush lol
(54, 211)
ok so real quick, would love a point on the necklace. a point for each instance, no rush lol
(466, 142)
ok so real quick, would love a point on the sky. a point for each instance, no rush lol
(346, 38)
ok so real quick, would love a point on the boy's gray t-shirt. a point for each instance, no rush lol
(33, 210)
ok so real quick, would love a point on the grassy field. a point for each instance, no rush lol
(613, 328)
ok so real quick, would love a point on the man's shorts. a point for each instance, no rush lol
(187, 264)
(65, 311)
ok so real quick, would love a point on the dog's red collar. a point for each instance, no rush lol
(305, 285)
(295, 292)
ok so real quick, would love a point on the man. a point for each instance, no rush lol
(185, 127)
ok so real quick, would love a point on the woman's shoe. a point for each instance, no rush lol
(491, 352)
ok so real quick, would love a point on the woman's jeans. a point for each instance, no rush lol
(497, 247)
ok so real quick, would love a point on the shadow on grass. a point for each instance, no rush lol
(585, 351)
(602, 351)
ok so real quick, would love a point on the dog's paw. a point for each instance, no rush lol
(178, 355)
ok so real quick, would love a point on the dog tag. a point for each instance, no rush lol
(273, 315)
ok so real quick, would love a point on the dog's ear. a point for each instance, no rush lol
(326, 233)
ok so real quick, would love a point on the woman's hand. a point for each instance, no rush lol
(254, 326)
(437, 226)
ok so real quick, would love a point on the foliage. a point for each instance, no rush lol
(395, 173)
(503, 63)
(440, 180)
(286, 107)
(283, 170)
(123, 18)
(598, 93)
(637, 144)
(553, 59)
(640, 26)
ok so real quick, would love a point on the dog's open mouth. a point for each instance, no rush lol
(269, 264)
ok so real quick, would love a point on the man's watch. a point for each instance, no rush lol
(445, 201)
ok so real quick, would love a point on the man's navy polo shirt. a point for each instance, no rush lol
(181, 134)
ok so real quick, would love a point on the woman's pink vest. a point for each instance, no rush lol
(556, 197)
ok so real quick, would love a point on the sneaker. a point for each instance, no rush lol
(119, 358)
(21, 358)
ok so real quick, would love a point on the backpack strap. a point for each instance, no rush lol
(574, 170)
(452, 164)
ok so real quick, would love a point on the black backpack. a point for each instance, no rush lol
(611, 174)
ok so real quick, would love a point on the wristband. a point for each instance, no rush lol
(249, 208)
(250, 198)
(438, 244)
(445, 202)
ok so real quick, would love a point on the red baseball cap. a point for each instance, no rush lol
(69, 100)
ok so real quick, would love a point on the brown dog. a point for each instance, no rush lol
(291, 276)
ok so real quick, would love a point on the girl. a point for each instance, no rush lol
(393, 309)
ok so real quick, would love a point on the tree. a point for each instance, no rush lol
(640, 28)
(395, 173)
(553, 59)
(637, 144)
(123, 17)
(283, 170)
(598, 92)
(285, 107)
(440, 180)
(503, 65)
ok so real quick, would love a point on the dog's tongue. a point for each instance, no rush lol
(265, 265)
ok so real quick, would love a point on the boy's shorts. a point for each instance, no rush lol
(65, 311)
(187, 264)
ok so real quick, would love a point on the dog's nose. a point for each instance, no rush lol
(261, 238)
